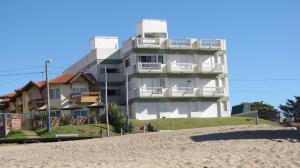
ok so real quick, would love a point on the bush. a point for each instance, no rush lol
(94, 118)
(115, 117)
(66, 120)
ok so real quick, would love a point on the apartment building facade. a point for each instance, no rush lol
(167, 78)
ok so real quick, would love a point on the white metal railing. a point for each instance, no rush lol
(180, 43)
(182, 67)
(212, 91)
(211, 67)
(182, 91)
(148, 42)
(150, 91)
(149, 66)
(213, 44)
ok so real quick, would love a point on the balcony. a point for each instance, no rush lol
(151, 92)
(183, 92)
(150, 67)
(211, 68)
(148, 43)
(211, 44)
(181, 68)
(36, 103)
(85, 97)
(180, 43)
(212, 91)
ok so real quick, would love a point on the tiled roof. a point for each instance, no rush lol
(9, 95)
(69, 76)
(63, 78)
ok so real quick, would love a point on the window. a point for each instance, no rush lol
(127, 63)
(155, 35)
(110, 70)
(111, 92)
(55, 93)
(80, 112)
(56, 113)
(79, 90)
(154, 59)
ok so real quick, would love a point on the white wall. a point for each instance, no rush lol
(153, 110)
(104, 42)
(151, 26)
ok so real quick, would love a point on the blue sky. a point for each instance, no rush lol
(263, 38)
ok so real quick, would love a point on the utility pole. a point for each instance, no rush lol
(127, 106)
(48, 96)
(106, 104)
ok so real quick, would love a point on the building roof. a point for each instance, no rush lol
(9, 95)
(69, 77)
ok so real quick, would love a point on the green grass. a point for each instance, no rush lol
(186, 123)
(88, 130)
(15, 134)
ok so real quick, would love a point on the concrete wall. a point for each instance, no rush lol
(153, 110)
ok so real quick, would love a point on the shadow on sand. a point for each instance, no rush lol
(292, 135)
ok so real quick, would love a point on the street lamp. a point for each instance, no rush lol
(48, 96)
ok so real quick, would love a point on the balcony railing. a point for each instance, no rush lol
(148, 43)
(183, 91)
(210, 44)
(180, 43)
(85, 97)
(212, 91)
(149, 67)
(150, 92)
(211, 68)
(181, 67)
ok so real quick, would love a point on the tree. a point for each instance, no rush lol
(265, 111)
(115, 117)
(292, 108)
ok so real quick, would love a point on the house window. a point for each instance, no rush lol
(56, 113)
(79, 90)
(55, 93)
(79, 112)
(127, 63)
(110, 70)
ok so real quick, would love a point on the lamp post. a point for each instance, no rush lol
(48, 96)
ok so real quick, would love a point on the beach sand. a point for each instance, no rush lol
(230, 146)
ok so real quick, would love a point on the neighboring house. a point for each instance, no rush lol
(168, 78)
(71, 91)
(8, 102)
(243, 110)
(66, 91)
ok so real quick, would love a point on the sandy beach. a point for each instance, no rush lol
(230, 146)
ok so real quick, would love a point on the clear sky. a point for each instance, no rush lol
(263, 38)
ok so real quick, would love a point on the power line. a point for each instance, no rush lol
(21, 69)
(20, 74)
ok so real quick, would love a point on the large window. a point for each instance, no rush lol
(79, 112)
(111, 92)
(55, 93)
(79, 90)
(154, 59)
(110, 70)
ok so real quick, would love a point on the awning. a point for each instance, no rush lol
(44, 108)
(97, 105)
(71, 106)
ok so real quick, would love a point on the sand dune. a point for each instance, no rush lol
(231, 146)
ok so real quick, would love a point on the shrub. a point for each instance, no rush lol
(115, 117)
(94, 118)
(66, 120)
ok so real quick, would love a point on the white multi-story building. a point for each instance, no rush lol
(167, 78)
